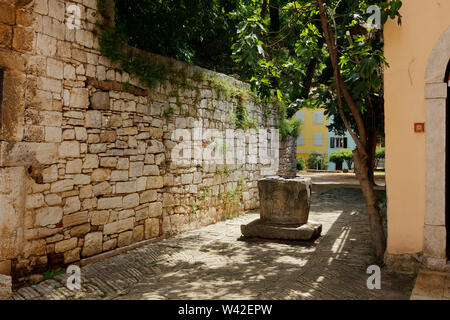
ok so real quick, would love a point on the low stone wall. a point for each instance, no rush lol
(91, 148)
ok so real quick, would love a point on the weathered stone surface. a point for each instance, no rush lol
(119, 226)
(131, 201)
(72, 255)
(48, 216)
(125, 238)
(98, 154)
(75, 219)
(285, 201)
(66, 245)
(73, 204)
(99, 217)
(304, 232)
(100, 100)
(151, 228)
(109, 203)
(93, 244)
(69, 149)
(284, 210)
(155, 209)
(5, 287)
(148, 196)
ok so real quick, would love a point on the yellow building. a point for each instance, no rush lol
(313, 132)
(416, 98)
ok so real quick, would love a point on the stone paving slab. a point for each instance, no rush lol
(431, 285)
(216, 262)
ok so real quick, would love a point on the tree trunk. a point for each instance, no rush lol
(371, 151)
(274, 15)
(375, 219)
(361, 156)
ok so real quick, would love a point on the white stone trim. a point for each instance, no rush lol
(434, 245)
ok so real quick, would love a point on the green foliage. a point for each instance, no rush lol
(168, 113)
(198, 32)
(289, 127)
(275, 59)
(301, 163)
(240, 115)
(347, 156)
(344, 155)
(337, 156)
(380, 153)
(317, 161)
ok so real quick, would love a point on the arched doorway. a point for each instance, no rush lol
(436, 246)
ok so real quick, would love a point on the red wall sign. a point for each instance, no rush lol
(419, 127)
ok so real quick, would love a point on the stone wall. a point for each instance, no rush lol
(89, 158)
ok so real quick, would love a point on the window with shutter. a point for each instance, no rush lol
(301, 140)
(318, 139)
(300, 116)
(318, 117)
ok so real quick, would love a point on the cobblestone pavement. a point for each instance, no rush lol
(216, 263)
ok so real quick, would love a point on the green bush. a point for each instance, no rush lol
(301, 163)
(337, 157)
(317, 161)
(347, 156)
(289, 127)
(344, 155)
(380, 154)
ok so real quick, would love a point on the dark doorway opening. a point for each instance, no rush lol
(447, 162)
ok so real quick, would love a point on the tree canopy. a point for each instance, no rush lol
(200, 32)
(324, 53)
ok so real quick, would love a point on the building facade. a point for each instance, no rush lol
(417, 130)
(313, 136)
(338, 142)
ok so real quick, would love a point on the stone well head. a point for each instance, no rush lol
(285, 201)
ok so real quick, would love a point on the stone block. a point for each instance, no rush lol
(305, 232)
(285, 201)
(72, 205)
(69, 149)
(93, 244)
(151, 228)
(148, 196)
(155, 209)
(119, 226)
(48, 216)
(131, 201)
(99, 218)
(93, 119)
(126, 187)
(66, 245)
(100, 101)
(125, 239)
(75, 219)
(99, 175)
(155, 182)
(103, 188)
(109, 203)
